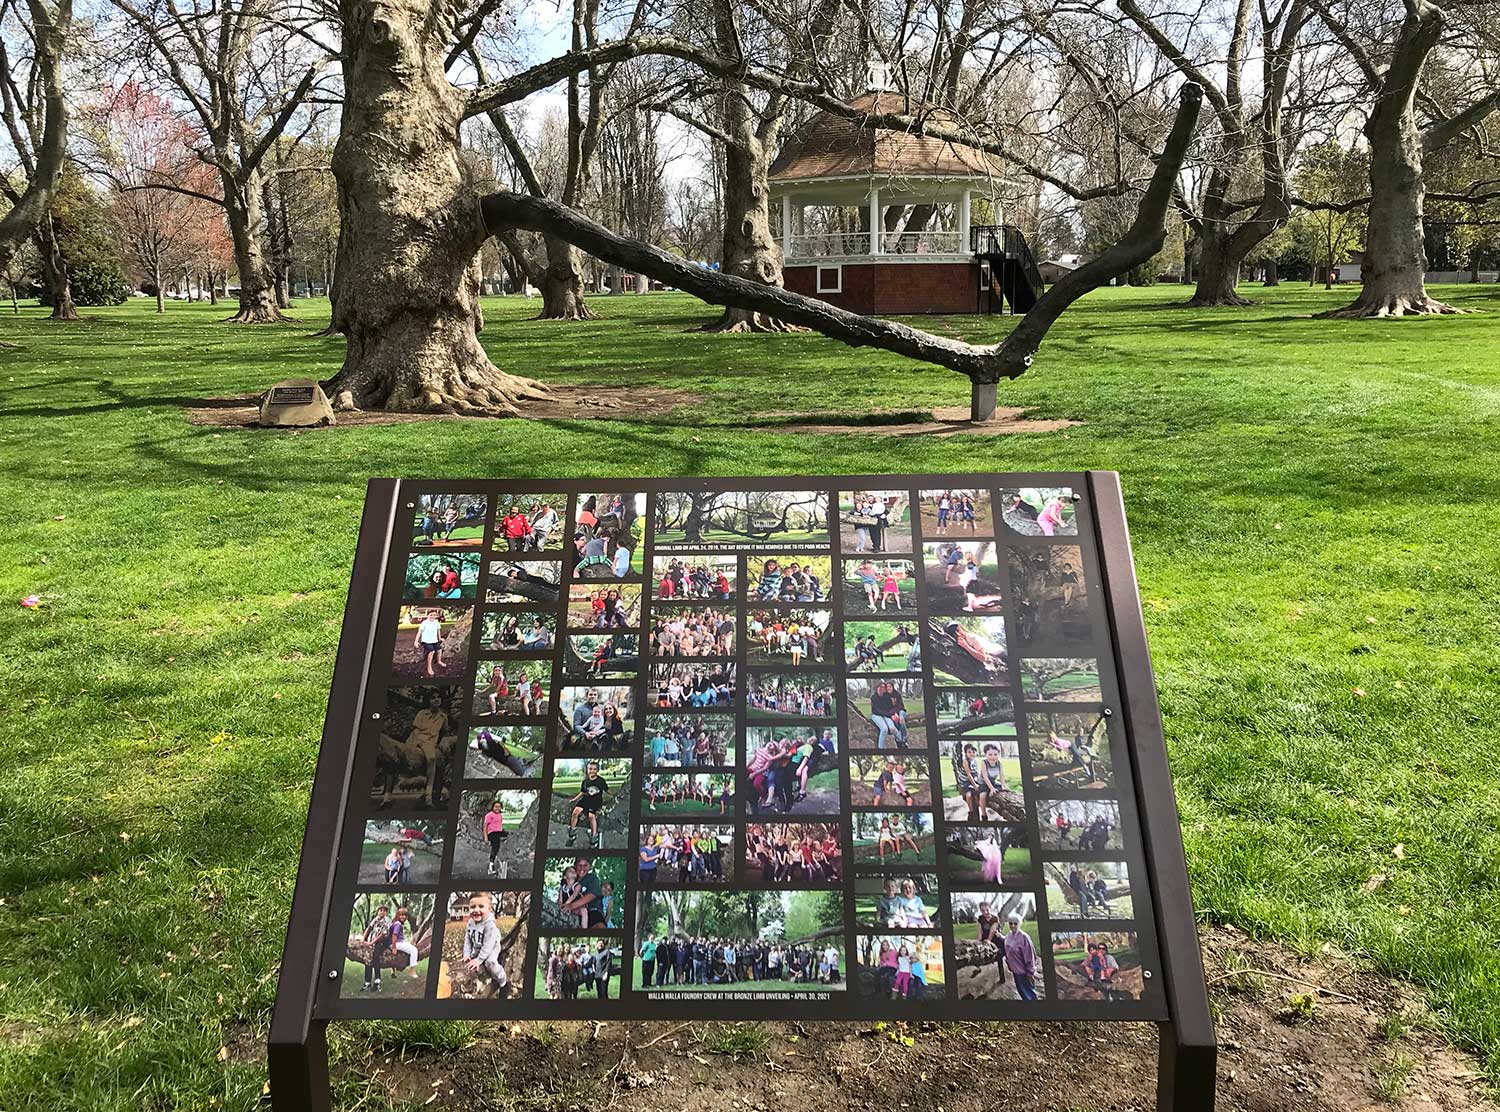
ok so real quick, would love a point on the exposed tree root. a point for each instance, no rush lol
(488, 393)
(261, 315)
(574, 310)
(1217, 301)
(1392, 305)
(737, 320)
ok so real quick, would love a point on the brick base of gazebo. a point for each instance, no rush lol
(881, 288)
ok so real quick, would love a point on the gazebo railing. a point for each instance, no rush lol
(921, 243)
(823, 244)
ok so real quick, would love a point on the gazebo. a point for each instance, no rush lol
(838, 178)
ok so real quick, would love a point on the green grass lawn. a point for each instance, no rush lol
(1313, 507)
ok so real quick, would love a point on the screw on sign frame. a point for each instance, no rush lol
(1172, 991)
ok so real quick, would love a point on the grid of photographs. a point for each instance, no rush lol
(845, 748)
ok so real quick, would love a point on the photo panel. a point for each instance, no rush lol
(792, 770)
(692, 795)
(788, 636)
(1088, 890)
(904, 967)
(887, 713)
(1069, 752)
(778, 696)
(788, 578)
(484, 945)
(504, 752)
(529, 522)
(613, 606)
(1097, 965)
(955, 512)
(698, 740)
(882, 646)
(389, 945)
(898, 901)
(685, 854)
(432, 642)
(579, 967)
(751, 519)
(692, 631)
(1079, 825)
(968, 651)
(879, 585)
(712, 944)
(695, 576)
(496, 837)
(997, 950)
(1039, 511)
(400, 852)
(890, 780)
(974, 712)
(602, 656)
(583, 892)
(1051, 597)
(683, 684)
(1059, 679)
(893, 840)
(874, 521)
(608, 531)
(511, 688)
(998, 856)
(982, 779)
(528, 581)
(415, 748)
(589, 803)
(450, 520)
(440, 576)
(962, 577)
(596, 718)
(796, 853)
(517, 631)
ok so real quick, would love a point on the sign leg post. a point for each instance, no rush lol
(299, 1073)
(1185, 1072)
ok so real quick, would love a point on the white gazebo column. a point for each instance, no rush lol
(786, 225)
(875, 221)
(963, 221)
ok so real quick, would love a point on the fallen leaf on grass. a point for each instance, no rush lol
(1359, 691)
(1399, 851)
(1375, 881)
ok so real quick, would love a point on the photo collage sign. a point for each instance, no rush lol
(682, 747)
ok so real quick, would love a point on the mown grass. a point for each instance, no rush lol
(1313, 504)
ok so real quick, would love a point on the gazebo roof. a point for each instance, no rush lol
(835, 146)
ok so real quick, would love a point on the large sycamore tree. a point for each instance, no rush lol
(407, 289)
(245, 71)
(1406, 124)
(34, 107)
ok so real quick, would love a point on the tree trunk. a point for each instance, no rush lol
(1218, 272)
(1393, 267)
(562, 284)
(213, 287)
(404, 291)
(1273, 273)
(750, 250)
(161, 300)
(55, 271)
(247, 225)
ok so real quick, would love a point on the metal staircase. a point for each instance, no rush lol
(1008, 273)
